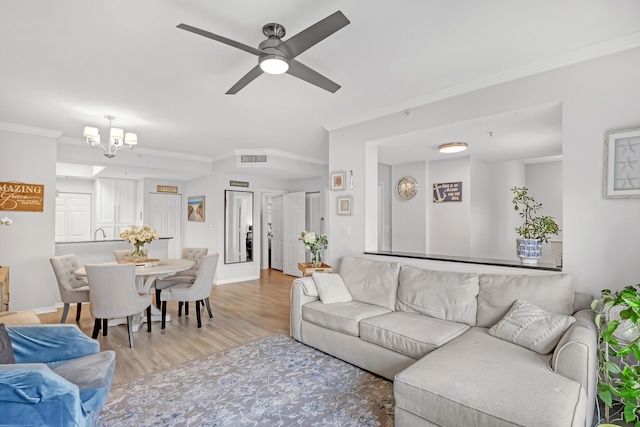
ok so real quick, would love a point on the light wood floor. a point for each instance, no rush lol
(242, 312)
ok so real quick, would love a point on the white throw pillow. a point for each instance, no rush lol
(331, 288)
(531, 327)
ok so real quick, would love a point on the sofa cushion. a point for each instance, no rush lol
(531, 327)
(440, 294)
(92, 374)
(342, 317)
(373, 282)
(6, 351)
(480, 380)
(498, 292)
(413, 335)
(331, 288)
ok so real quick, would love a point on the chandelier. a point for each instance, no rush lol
(117, 139)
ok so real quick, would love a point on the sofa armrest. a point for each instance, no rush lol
(302, 291)
(575, 356)
(32, 394)
(49, 343)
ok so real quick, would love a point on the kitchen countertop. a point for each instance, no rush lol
(103, 241)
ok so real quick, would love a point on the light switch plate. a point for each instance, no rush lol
(346, 230)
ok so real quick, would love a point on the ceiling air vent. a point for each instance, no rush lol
(253, 160)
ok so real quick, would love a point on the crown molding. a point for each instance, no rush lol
(609, 47)
(30, 130)
(147, 151)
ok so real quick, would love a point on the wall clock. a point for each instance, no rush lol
(407, 187)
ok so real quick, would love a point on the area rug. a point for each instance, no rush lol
(275, 381)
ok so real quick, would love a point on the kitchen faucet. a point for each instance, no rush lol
(95, 234)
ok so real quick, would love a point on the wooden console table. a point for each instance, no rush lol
(4, 291)
(307, 270)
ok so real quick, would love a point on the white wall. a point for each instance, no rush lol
(544, 181)
(450, 222)
(409, 217)
(27, 245)
(386, 229)
(481, 194)
(210, 233)
(599, 248)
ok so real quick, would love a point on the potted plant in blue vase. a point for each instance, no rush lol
(535, 230)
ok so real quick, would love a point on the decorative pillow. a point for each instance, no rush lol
(531, 327)
(331, 288)
(6, 351)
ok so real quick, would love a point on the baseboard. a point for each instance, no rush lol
(50, 309)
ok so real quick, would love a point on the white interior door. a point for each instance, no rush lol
(165, 216)
(277, 225)
(73, 217)
(294, 224)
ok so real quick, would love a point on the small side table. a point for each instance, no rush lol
(307, 270)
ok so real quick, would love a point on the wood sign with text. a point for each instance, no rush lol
(447, 192)
(18, 196)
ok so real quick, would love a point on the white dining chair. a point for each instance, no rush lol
(198, 291)
(113, 294)
(187, 276)
(73, 289)
(122, 254)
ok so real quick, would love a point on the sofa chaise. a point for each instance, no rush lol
(462, 349)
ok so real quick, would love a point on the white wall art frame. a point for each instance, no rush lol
(622, 164)
(337, 181)
(345, 205)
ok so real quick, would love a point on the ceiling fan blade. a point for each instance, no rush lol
(245, 80)
(305, 73)
(319, 31)
(221, 39)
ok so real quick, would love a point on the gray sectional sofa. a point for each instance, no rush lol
(429, 332)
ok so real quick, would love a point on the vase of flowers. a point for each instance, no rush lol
(138, 237)
(314, 243)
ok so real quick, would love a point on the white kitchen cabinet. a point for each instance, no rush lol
(115, 205)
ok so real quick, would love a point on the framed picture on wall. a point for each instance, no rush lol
(337, 181)
(195, 208)
(622, 164)
(344, 205)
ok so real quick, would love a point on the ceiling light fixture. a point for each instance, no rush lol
(453, 147)
(273, 61)
(274, 64)
(117, 139)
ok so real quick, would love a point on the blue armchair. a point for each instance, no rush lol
(60, 378)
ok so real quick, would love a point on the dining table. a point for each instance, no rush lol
(146, 274)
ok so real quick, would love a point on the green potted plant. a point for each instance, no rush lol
(618, 321)
(535, 230)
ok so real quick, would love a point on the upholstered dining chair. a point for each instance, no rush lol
(197, 291)
(187, 276)
(73, 289)
(122, 254)
(113, 293)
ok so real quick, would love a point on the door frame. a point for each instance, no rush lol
(264, 196)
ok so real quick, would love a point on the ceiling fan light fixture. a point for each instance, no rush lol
(274, 64)
(453, 147)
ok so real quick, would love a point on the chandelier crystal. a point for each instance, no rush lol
(118, 139)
